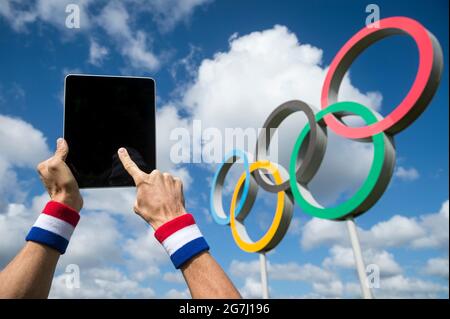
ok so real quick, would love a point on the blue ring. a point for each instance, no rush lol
(236, 154)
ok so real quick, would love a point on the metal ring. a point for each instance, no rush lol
(308, 162)
(280, 222)
(247, 195)
(419, 96)
(373, 187)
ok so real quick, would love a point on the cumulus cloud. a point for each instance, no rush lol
(100, 283)
(260, 71)
(118, 200)
(288, 271)
(324, 282)
(175, 277)
(403, 287)
(177, 294)
(114, 19)
(427, 231)
(406, 174)
(20, 13)
(97, 53)
(252, 289)
(168, 13)
(437, 267)
(89, 247)
(343, 257)
(15, 221)
(317, 277)
(22, 146)
(168, 119)
(235, 80)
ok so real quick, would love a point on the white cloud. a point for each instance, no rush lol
(114, 200)
(427, 231)
(97, 53)
(252, 289)
(168, 13)
(436, 228)
(100, 283)
(174, 277)
(168, 119)
(177, 294)
(15, 222)
(89, 246)
(330, 289)
(318, 232)
(343, 257)
(114, 19)
(234, 82)
(325, 282)
(22, 146)
(282, 271)
(437, 267)
(403, 287)
(406, 174)
(20, 13)
(144, 249)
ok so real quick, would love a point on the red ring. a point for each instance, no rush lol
(427, 60)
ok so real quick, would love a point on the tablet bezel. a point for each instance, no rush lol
(112, 76)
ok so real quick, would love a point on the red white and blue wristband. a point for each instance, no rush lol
(54, 226)
(182, 239)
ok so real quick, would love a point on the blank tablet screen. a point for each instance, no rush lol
(103, 114)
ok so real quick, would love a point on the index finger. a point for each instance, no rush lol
(130, 166)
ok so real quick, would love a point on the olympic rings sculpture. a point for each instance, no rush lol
(310, 146)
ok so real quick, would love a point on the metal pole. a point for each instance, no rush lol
(263, 269)
(357, 253)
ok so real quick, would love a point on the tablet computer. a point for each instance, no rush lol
(102, 114)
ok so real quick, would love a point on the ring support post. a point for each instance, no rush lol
(263, 270)
(357, 253)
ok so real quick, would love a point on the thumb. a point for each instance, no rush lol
(130, 166)
(62, 149)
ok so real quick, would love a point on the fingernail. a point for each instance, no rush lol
(59, 141)
(121, 150)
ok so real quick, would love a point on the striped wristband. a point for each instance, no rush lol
(182, 239)
(54, 226)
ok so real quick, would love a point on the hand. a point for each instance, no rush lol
(159, 196)
(58, 179)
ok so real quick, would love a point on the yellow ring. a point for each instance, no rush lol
(270, 238)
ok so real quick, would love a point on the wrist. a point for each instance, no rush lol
(54, 226)
(181, 239)
(164, 215)
(157, 223)
(73, 201)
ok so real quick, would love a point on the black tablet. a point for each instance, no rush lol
(102, 114)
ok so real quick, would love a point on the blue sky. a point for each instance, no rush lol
(194, 50)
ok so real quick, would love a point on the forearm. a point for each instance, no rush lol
(206, 279)
(30, 273)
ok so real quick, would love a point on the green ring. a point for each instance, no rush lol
(370, 191)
